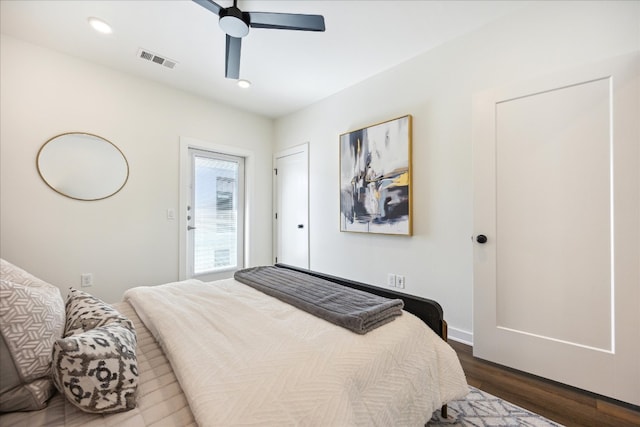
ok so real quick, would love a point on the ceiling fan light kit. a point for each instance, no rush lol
(233, 22)
(236, 23)
(244, 84)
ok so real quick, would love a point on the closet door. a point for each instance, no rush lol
(291, 206)
(556, 273)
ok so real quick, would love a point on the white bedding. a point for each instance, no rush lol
(244, 358)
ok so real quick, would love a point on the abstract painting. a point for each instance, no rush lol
(375, 178)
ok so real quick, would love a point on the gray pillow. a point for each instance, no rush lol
(31, 319)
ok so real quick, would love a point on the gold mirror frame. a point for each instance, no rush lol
(82, 166)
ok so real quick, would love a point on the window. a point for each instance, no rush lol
(217, 216)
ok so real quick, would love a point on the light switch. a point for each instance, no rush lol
(86, 280)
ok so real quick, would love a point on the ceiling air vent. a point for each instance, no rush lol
(153, 57)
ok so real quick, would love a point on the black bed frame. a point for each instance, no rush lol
(429, 311)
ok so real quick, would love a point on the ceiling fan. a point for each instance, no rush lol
(235, 23)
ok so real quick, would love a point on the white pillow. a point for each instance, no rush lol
(32, 318)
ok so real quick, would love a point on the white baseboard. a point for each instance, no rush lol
(465, 337)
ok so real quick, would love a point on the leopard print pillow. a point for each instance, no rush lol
(85, 312)
(97, 370)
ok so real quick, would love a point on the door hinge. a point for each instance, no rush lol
(276, 215)
(276, 260)
(275, 170)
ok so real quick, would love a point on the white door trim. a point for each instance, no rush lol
(249, 165)
(302, 148)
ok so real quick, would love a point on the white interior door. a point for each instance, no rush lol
(557, 281)
(291, 203)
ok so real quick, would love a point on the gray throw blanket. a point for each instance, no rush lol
(355, 310)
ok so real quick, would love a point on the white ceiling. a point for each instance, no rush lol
(289, 69)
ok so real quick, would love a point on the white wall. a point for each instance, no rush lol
(437, 89)
(125, 240)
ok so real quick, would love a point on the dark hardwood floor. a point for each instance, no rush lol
(560, 403)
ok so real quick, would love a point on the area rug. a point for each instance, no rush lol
(481, 409)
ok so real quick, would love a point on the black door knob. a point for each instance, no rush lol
(481, 238)
(300, 225)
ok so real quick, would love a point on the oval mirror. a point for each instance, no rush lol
(82, 166)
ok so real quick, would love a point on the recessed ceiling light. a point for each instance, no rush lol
(100, 26)
(244, 84)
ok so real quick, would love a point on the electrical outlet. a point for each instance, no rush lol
(400, 281)
(391, 280)
(86, 280)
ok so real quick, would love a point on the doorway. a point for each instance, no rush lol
(212, 216)
(215, 215)
(556, 208)
(291, 206)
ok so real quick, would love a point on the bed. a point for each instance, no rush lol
(224, 353)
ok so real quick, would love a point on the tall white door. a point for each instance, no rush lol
(557, 226)
(291, 216)
(215, 215)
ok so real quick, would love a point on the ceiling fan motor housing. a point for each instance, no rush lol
(234, 22)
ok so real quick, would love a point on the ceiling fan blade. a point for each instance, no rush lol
(210, 5)
(286, 21)
(232, 61)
